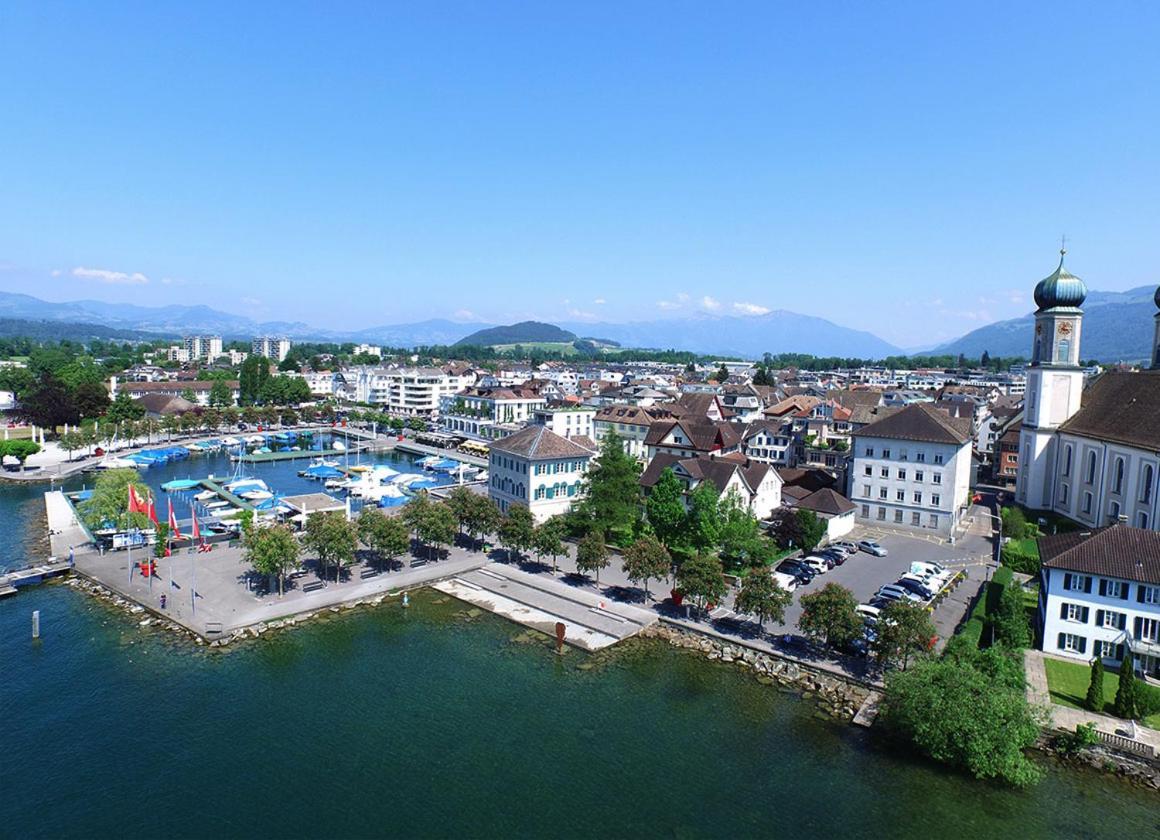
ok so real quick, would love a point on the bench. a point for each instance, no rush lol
(313, 586)
(368, 573)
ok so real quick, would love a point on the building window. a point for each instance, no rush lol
(898, 516)
(920, 457)
(1142, 520)
(918, 475)
(1114, 589)
(881, 513)
(934, 520)
(1147, 477)
(1149, 630)
(1087, 503)
(936, 478)
(1077, 583)
(866, 490)
(1109, 650)
(938, 458)
(885, 453)
(1114, 511)
(916, 519)
(1072, 643)
(1063, 494)
(902, 475)
(1074, 612)
(869, 451)
(1111, 619)
(1091, 468)
(1067, 461)
(935, 500)
(902, 454)
(865, 511)
(900, 495)
(881, 492)
(1148, 594)
(918, 498)
(1118, 480)
(885, 472)
(868, 470)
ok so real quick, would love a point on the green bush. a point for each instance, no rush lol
(1021, 556)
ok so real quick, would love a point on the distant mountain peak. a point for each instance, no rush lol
(525, 332)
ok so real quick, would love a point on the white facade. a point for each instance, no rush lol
(202, 347)
(566, 422)
(904, 484)
(538, 469)
(1084, 615)
(1100, 483)
(368, 350)
(275, 349)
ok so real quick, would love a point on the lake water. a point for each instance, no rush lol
(420, 722)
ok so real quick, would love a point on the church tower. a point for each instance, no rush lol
(1156, 338)
(1054, 383)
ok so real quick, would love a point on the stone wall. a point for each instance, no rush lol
(835, 696)
(1132, 768)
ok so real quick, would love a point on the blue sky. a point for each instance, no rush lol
(900, 167)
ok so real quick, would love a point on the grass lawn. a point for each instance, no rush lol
(1068, 684)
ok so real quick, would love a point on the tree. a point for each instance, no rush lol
(644, 559)
(252, 377)
(904, 629)
(592, 554)
(722, 374)
(220, 395)
(1095, 693)
(517, 530)
(125, 408)
(332, 538)
(483, 518)
(1010, 619)
(70, 442)
(548, 539)
(188, 395)
(21, 450)
(813, 529)
(416, 424)
(273, 550)
(108, 506)
(761, 596)
(612, 494)
(161, 545)
(985, 361)
(703, 522)
(385, 535)
(665, 508)
(91, 399)
(701, 579)
(437, 527)
(830, 614)
(461, 500)
(740, 535)
(49, 404)
(1125, 704)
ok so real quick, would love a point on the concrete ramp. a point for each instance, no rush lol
(591, 621)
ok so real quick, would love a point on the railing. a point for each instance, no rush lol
(1119, 742)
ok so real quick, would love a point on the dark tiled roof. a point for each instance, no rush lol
(857, 399)
(164, 404)
(1121, 407)
(540, 442)
(921, 422)
(827, 501)
(1116, 551)
(717, 470)
(807, 479)
(704, 435)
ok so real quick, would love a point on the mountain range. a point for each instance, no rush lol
(1117, 327)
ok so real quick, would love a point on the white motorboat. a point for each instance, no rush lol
(338, 446)
(231, 442)
(257, 495)
(117, 464)
(206, 495)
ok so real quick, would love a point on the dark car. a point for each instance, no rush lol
(839, 557)
(879, 603)
(801, 572)
(915, 587)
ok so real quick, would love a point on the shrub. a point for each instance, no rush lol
(1017, 556)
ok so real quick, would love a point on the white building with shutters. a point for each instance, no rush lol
(1099, 595)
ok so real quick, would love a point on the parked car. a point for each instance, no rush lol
(916, 585)
(839, 557)
(855, 647)
(786, 581)
(872, 547)
(879, 603)
(803, 573)
(894, 592)
(868, 613)
(818, 564)
(846, 546)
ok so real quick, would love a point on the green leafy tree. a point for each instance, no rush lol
(740, 535)
(1125, 704)
(548, 540)
(702, 580)
(461, 501)
(416, 424)
(252, 378)
(813, 529)
(483, 518)
(91, 399)
(762, 597)
(272, 550)
(437, 527)
(517, 530)
(722, 374)
(612, 494)
(665, 508)
(414, 512)
(124, 408)
(830, 615)
(904, 630)
(220, 395)
(968, 711)
(703, 522)
(161, 545)
(592, 554)
(72, 442)
(333, 540)
(188, 395)
(1095, 693)
(21, 450)
(645, 559)
(108, 506)
(48, 404)
(386, 536)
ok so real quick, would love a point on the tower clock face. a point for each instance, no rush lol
(1064, 328)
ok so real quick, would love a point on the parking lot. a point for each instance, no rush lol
(864, 573)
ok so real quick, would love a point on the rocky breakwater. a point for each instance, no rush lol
(836, 697)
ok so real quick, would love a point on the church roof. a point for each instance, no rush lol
(1060, 288)
(1120, 407)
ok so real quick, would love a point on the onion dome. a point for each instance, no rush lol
(1062, 288)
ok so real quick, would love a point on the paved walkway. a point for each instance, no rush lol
(1066, 718)
(64, 531)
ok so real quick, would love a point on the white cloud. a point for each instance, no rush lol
(712, 304)
(56, 272)
(599, 301)
(581, 314)
(682, 297)
(667, 305)
(251, 301)
(101, 275)
(751, 309)
(464, 315)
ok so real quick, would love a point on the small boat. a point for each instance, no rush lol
(430, 459)
(117, 464)
(206, 495)
(221, 503)
(336, 483)
(359, 468)
(180, 484)
(338, 446)
(257, 495)
(231, 442)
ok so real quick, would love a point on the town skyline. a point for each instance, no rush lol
(772, 161)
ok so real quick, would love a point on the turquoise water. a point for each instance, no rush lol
(421, 723)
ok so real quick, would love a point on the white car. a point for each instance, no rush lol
(872, 547)
(787, 582)
(868, 613)
(817, 564)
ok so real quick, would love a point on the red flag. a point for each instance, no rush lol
(173, 529)
(151, 511)
(196, 530)
(135, 503)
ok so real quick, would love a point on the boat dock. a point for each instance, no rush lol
(13, 579)
(423, 449)
(292, 455)
(591, 621)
